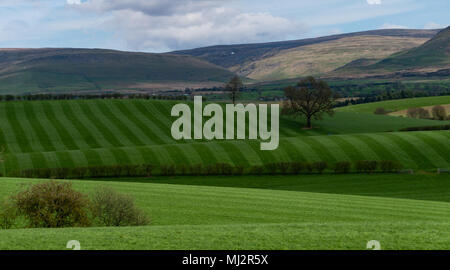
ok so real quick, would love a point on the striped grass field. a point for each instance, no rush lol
(209, 217)
(398, 105)
(42, 134)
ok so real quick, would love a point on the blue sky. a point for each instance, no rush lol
(166, 25)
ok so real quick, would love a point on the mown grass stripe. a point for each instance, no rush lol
(10, 163)
(148, 156)
(439, 147)
(93, 158)
(64, 159)
(52, 160)
(79, 158)
(304, 148)
(152, 136)
(233, 153)
(19, 134)
(120, 156)
(220, 155)
(53, 122)
(292, 151)
(177, 154)
(350, 150)
(36, 127)
(38, 160)
(33, 137)
(48, 126)
(148, 110)
(84, 131)
(330, 143)
(415, 153)
(427, 149)
(67, 128)
(204, 152)
(265, 156)
(99, 122)
(127, 127)
(320, 149)
(361, 144)
(379, 148)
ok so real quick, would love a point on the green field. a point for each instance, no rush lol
(397, 105)
(308, 212)
(42, 134)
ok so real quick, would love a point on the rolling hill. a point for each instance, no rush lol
(65, 70)
(77, 133)
(267, 61)
(432, 56)
(308, 213)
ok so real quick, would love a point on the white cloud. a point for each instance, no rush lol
(166, 25)
(393, 26)
(374, 2)
(74, 2)
(432, 25)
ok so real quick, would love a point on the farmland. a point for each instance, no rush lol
(51, 134)
(311, 212)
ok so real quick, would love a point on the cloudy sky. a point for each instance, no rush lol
(166, 25)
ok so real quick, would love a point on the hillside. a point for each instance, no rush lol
(324, 57)
(432, 56)
(312, 212)
(42, 134)
(57, 70)
(232, 55)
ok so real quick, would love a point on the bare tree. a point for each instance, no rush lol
(234, 86)
(310, 98)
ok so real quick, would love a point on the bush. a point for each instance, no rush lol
(381, 110)
(297, 167)
(52, 205)
(271, 168)
(257, 170)
(238, 170)
(439, 113)
(196, 169)
(309, 167)
(283, 167)
(320, 166)
(168, 170)
(8, 215)
(182, 170)
(390, 166)
(342, 167)
(111, 208)
(366, 166)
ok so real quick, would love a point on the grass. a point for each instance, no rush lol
(311, 212)
(397, 105)
(75, 133)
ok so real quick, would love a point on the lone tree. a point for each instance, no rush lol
(234, 86)
(310, 98)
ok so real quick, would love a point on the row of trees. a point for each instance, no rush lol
(149, 170)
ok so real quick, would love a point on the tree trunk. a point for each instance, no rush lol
(308, 122)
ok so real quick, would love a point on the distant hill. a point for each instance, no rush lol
(56, 70)
(432, 56)
(231, 55)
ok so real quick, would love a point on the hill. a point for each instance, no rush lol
(269, 58)
(432, 56)
(59, 70)
(77, 133)
(210, 218)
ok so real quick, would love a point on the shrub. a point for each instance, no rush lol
(390, 166)
(272, 168)
(366, 166)
(210, 170)
(309, 167)
(79, 173)
(224, 169)
(283, 167)
(381, 110)
(320, 166)
(182, 170)
(196, 169)
(238, 170)
(342, 167)
(439, 113)
(52, 205)
(8, 214)
(168, 170)
(257, 170)
(297, 167)
(111, 208)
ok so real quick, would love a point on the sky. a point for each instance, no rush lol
(168, 25)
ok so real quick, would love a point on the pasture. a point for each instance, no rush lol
(51, 134)
(288, 213)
